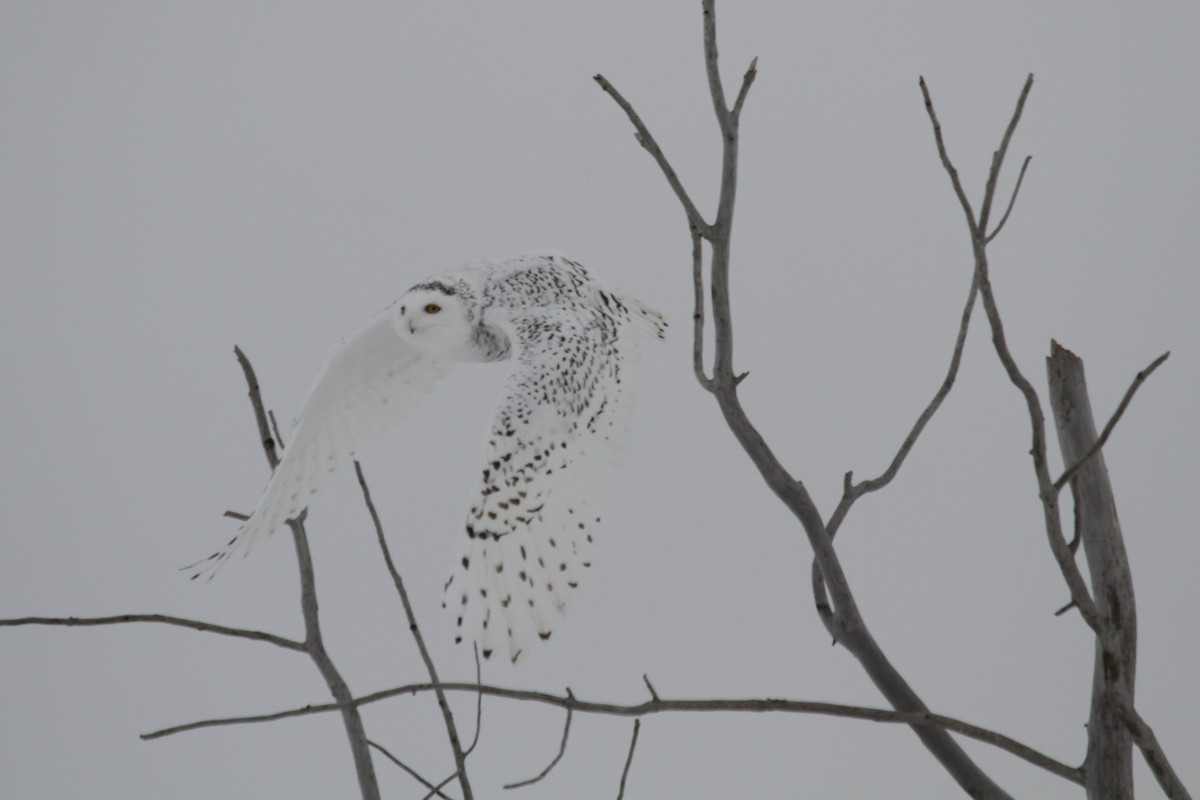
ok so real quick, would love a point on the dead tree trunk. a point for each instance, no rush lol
(1108, 767)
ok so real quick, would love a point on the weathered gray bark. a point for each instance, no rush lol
(1108, 767)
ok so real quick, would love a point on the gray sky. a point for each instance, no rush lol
(178, 178)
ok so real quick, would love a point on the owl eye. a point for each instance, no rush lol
(432, 308)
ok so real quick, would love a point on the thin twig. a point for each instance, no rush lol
(695, 218)
(1138, 380)
(562, 748)
(241, 633)
(747, 79)
(434, 791)
(650, 686)
(874, 484)
(256, 401)
(1011, 200)
(460, 757)
(275, 429)
(478, 705)
(852, 491)
(945, 156)
(989, 192)
(698, 308)
(637, 726)
(662, 706)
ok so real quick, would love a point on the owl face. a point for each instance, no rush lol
(433, 317)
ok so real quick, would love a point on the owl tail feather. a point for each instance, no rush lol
(646, 320)
(512, 586)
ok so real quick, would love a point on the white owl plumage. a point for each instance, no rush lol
(554, 440)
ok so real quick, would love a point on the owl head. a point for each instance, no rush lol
(436, 315)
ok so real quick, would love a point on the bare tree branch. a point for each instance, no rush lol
(989, 192)
(1152, 752)
(314, 643)
(662, 706)
(650, 686)
(460, 757)
(698, 305)
(1011, 200)
(562, 748)
(241, 633)
(695, 218)
(275, 429)
(747, 79)
(852, 491)
(637, 726)
(435, 791)
(844, 620)
(1111, 615)
(959, 192)
(260, 416)
(1108, 768)
(478, 705)
(1138, 380)
(1037, 421)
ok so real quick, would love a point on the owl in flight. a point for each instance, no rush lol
(556, 435)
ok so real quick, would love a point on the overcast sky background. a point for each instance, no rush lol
(177, 178)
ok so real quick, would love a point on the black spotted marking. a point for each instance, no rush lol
(437, 286)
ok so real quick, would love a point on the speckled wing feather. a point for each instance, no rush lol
(370, 380)
(554, 442)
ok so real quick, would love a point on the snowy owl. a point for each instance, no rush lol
(556, 435)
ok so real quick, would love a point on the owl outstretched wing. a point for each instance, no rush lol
(369, 381)
(554, 443)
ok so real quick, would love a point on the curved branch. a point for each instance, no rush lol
(1011, 200)
(959, 192)
(695, 218)
(662, 706)
(852, 491)
(197, 625)
(637, 726)
(562, 748)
